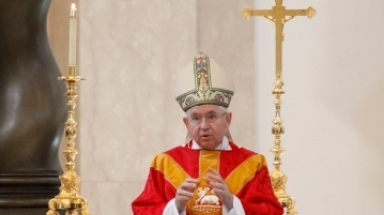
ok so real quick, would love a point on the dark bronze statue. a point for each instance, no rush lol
(32, 109)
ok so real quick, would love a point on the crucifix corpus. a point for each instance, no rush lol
(279, 15)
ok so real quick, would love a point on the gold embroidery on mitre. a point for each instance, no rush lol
(204, 92)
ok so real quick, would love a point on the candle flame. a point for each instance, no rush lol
(72, 12)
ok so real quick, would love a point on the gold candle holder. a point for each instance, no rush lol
(278, 178)
(68, 198)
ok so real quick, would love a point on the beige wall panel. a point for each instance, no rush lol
(130, 54)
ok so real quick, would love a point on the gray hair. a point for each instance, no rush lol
(224, 109)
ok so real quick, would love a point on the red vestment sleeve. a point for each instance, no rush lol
(258, 197)
(152, 200)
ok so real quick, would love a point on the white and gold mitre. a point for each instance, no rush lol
(203, 82)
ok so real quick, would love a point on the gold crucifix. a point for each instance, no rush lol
(279, 15)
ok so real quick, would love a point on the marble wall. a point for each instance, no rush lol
(130, 53)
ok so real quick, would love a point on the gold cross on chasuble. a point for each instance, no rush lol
(279, 15)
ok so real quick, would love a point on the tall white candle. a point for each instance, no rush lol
(72, 35)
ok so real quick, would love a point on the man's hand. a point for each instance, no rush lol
(219, 186)
(185, 192)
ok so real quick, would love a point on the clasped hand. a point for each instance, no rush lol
(185, 191)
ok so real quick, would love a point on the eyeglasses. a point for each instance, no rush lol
(210, 118)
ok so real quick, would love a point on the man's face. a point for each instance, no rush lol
(207, 125)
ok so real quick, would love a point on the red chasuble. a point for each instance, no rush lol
(244, 171)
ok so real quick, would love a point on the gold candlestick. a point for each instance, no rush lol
(279, 15)
(68, 198)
